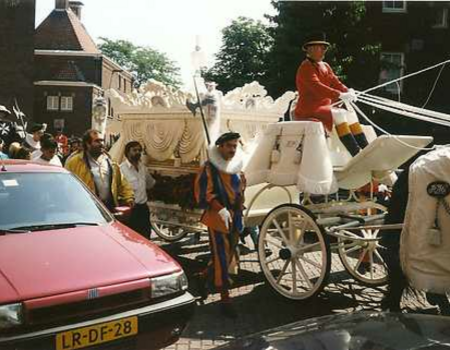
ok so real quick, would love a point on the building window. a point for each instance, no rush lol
(52, 103)
(120, 82)
(394, 6)
(124, 86)
(392, 64)
(66, 103)
(441, 18)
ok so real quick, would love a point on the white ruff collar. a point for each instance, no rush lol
(233, 166)
(35, 144)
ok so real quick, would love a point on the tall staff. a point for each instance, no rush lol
(199, 103)
(198, 58)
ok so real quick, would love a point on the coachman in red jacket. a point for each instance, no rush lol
(318, 87)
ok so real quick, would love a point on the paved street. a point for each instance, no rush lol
(259, 307)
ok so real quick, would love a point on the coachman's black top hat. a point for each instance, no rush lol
(315, 39)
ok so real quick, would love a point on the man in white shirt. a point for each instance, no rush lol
(48, 153)
(140, 180)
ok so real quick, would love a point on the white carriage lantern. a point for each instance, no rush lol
(99, 114)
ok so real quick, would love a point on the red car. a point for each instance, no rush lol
(73, 277)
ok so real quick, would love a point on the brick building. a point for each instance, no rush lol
(17, 53)
(70, 71)
(413, 35)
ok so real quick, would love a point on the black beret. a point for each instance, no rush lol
(38, 127)
(228, 136)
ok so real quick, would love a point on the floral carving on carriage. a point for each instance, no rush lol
(174, 140)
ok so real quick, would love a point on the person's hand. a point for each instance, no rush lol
(349, 96)
(226, 217)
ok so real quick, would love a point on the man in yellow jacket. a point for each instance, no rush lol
(100, 173)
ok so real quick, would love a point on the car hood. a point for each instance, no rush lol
(362, 330)
(39, 264)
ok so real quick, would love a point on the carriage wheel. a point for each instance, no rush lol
(363, 260)
(167, 232)
(294, 252)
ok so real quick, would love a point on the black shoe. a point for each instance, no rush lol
(361, 140)
(350, 144)
(227, 309)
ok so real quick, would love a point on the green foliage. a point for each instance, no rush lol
(353, 48)
(144, 62)
(243, 55)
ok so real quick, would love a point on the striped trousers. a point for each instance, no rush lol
(224, 258)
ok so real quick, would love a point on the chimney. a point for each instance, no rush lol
(61, 4)
(76, 6)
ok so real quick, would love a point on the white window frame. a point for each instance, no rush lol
(394, 87)
(52, 103)
(67, 103)
(444, 23)
(387, 9)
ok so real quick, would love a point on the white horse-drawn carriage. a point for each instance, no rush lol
(302, 187)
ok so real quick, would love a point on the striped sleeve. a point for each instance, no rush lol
(204, 190)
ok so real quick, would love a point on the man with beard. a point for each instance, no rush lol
(219, 189)
(103, 177)
(140, 180)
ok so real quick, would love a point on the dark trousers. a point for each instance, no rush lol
(140, 220)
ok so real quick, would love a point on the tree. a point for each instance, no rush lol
(354, 54)
(143, 62)
(246, 44)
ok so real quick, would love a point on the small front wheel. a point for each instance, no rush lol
(294, 252)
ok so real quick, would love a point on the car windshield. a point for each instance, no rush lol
(34, 201)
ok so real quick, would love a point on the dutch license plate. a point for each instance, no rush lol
(98, 334)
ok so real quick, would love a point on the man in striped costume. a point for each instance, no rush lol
(219, 189)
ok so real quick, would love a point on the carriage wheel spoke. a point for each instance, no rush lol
(272, 260)
(307, 247)
(363, 254)
(272, 240)
(303, 273)
(283, 271)
(309, 261)
(280, 231)
(379, 257)
(294, 276)
(371, 264)
(353, 249)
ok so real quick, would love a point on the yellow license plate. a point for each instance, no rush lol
(98, 334)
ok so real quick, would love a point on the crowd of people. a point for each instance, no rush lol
(42, 147)
(86, 157)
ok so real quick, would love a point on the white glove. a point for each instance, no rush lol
(349, 96)
(226, 217)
